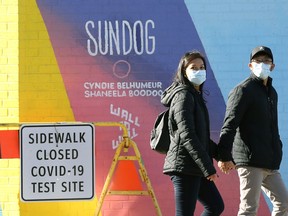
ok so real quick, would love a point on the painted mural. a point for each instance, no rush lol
(116, 57)
(115, 65)
(116, 61)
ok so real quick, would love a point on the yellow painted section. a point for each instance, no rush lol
(9, 186)
(9, 102)
(31, 90)
(9, 63)
(43, 97)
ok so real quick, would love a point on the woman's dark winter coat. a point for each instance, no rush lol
(191, 149)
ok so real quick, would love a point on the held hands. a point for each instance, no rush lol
(226, 166)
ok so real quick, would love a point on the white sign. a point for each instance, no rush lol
(57, 162)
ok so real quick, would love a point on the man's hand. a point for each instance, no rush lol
(226, 166)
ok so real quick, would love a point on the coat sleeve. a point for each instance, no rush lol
(184, 118)
(213, 149)
(237, 104)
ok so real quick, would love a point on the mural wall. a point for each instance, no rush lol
(100, 61)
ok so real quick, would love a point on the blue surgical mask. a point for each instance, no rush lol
(261, 70)
(196, 77)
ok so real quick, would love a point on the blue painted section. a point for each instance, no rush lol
(230, 30)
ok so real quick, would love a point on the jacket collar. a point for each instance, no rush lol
(260, 81)
(175, 87)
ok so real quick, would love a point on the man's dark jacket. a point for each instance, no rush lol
(251, 126)
(189, 148)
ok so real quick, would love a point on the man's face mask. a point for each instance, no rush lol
(261, 70)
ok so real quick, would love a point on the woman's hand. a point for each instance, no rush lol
(212, 177)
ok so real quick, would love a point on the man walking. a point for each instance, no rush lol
(250, 137)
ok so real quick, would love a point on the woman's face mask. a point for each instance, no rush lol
(196, 77)
(261, 70)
